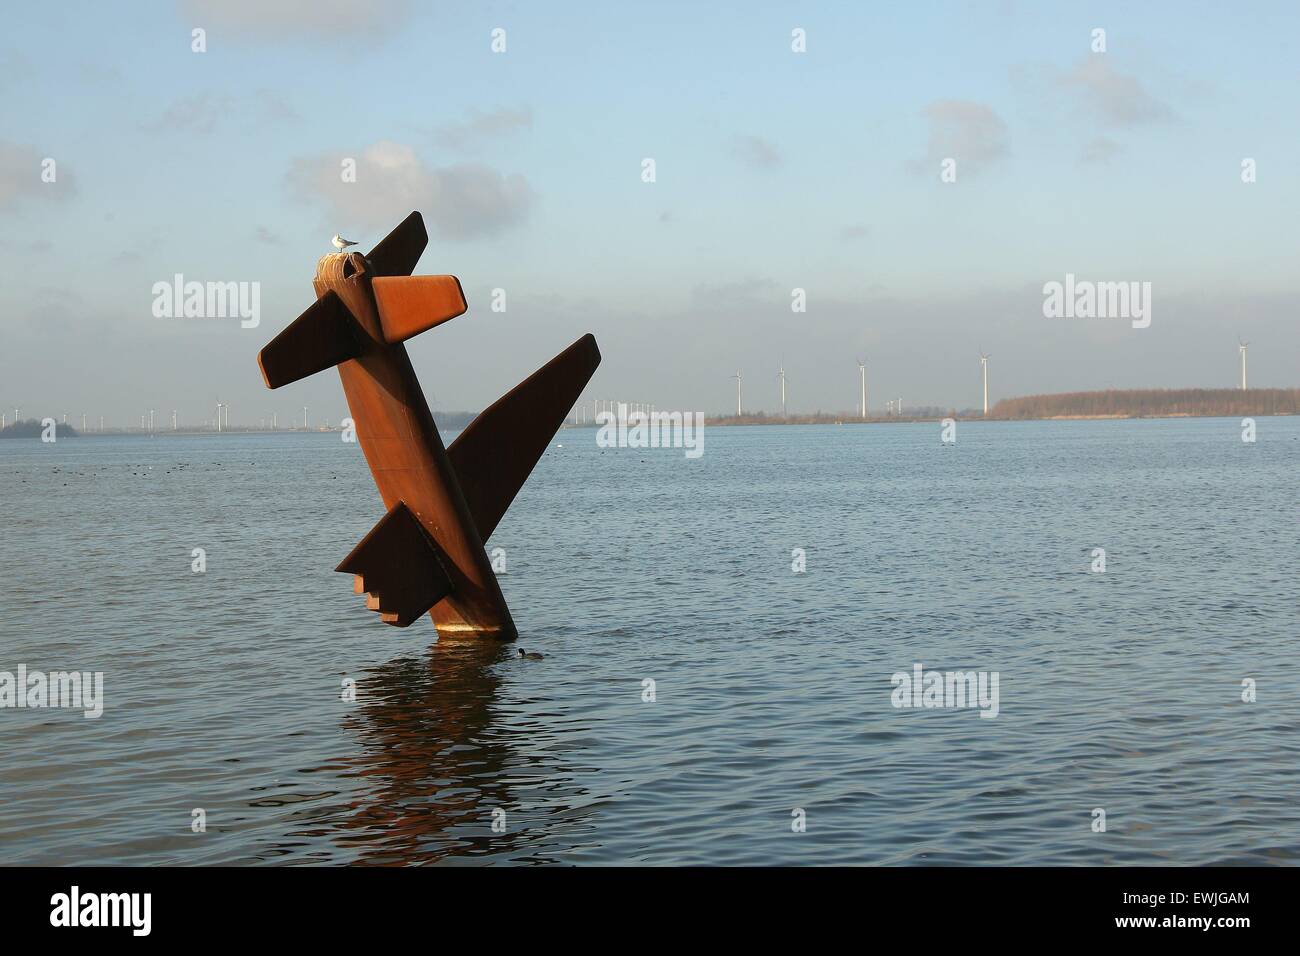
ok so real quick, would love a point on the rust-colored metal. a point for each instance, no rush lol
(427, 553)
(409, 305)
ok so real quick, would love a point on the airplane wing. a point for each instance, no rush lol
(409, 305)
(495, 454)
(400, 567)
(322, 337)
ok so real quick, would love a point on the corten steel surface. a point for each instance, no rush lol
(427, 553)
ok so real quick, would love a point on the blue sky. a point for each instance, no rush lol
(774, 170)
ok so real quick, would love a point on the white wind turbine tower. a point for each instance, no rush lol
(737, 378)
(984, 366)
(219, 407)
(1241, 347)
(862, 373)
(781, 373)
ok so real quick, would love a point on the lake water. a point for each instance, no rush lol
(1119, 691)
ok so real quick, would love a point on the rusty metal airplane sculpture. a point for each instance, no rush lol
(427, 553)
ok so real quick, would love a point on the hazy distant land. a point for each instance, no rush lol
(1112, 403)
(1153, 403)
(32, 428)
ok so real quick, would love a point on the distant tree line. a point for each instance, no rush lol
(1152, 402)
(451, 420)
(32, 428)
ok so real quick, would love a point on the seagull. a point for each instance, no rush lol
(340, 243)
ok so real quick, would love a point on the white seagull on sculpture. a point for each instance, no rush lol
(340, 243)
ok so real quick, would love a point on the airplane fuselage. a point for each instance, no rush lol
(406, 455)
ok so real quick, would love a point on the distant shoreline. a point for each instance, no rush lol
(731, 420)
(1122, 404)
(728, 421)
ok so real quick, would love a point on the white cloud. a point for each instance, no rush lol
(484, 126)
(291, 20)
(198, 113)
(968, 132)
(749, 290)
(460, 201)
(1100, 149)
(756, 152)
(203, 112)
(1118, 99)
(20, 175)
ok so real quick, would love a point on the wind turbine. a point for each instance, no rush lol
(862, 372)
(984, 366)
(782, 376)
(1241, 347)
(737, 378)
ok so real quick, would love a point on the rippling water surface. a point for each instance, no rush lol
(223, 690)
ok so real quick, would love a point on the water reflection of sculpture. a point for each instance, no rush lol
(438, 755)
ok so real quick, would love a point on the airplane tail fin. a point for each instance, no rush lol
(399, 251)
(400, 567)
(322, 337)
(494, 456)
